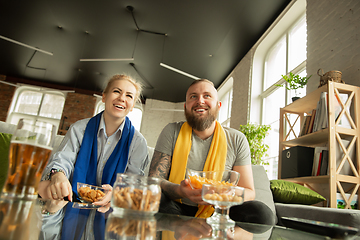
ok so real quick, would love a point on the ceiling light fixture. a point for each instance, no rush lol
(25, 45)
(106, 59)
(178, 71)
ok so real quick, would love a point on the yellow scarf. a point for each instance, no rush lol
(215, 160)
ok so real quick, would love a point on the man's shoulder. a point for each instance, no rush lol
(232, 130)
(233, 133)
(174, 126)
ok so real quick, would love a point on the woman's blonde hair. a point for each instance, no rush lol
(136, 84)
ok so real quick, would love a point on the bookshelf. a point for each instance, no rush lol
(334, 182)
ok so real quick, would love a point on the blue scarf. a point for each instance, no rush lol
(86, 162)
(85, 172)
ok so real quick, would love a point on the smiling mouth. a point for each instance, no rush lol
(200, 110)
(119, 107)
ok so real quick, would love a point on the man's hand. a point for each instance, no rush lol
(59, 187)
(193, 194)
(193, 228)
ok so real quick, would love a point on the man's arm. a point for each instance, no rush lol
(160, 168)
(246, 181)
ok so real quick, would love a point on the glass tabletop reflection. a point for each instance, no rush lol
(50, 219)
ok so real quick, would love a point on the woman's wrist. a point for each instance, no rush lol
(52, 172)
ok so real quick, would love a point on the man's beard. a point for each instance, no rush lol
(201, 123)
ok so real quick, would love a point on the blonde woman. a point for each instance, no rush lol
(95, 149)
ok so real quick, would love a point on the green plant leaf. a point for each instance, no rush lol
(255, 134)
(294, 81)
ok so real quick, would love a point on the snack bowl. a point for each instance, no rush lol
(225, 177)
(89, 193)
(135, 194)
(222, 197)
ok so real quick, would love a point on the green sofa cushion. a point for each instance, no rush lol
(289, 192)
(4, 157)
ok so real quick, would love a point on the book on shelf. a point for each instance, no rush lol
(321, 159)
(321, 117)
(310, 128)
(324, 163)
(317, 160)
(341, 202)
(305, 125)
(316, 119)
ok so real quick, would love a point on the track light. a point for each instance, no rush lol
(106, 59)
(25, 45)
(178, 71)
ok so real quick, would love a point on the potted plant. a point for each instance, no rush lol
(294, 82)
(255, 134)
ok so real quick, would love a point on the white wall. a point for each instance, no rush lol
(156, 115)
(333, 39)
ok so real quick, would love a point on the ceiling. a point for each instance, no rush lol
(205, 38)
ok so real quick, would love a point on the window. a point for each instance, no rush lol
(283, 50)
(135, 116)
(37, 104)
(225, 110)
(225, 93)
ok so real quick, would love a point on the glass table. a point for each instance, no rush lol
(45, 219)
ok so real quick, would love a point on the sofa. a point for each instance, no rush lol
(264, 193)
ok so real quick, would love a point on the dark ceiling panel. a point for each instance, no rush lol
(206, 38)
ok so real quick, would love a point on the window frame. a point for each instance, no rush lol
(226, 91)
(13, 115)
(286, 22)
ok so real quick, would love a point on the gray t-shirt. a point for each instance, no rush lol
(238, 151)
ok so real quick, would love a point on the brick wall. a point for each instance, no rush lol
(6, 95)
(77, 106)
(333, 41)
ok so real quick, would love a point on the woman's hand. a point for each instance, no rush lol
(192, 194)
(107, 198)
(59, 187)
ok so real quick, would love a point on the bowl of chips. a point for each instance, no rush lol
(89, 193)
(225, 178)
(136, 194)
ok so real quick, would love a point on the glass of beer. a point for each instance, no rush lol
(30, 149)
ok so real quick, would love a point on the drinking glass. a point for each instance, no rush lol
(30, 149)
(19, 219)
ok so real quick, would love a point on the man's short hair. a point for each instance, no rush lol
(201, 80)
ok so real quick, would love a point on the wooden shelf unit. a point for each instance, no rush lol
(333, 183)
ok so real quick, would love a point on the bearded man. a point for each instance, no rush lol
(195, 143)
